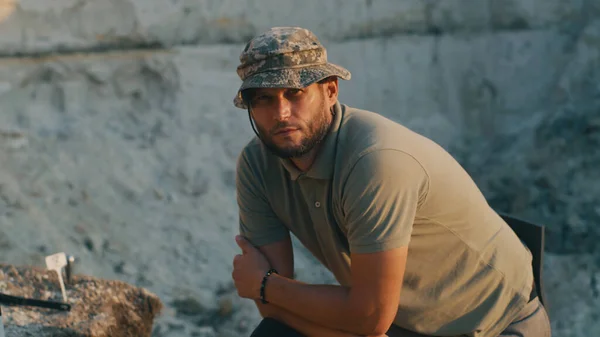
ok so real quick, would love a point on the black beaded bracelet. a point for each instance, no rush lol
(264, 283)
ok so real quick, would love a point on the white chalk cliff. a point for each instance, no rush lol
(118, 136)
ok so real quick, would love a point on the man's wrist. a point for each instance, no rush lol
(263, 285)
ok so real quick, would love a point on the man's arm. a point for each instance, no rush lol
(367, 308)
(281, 257)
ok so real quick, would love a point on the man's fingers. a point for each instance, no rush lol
(236, 262)
(236, 258)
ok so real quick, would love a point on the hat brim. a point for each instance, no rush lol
(295, 78)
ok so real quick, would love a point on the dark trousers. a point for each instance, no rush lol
(269, 327)
(533, 321)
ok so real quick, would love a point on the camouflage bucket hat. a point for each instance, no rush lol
(284, 57)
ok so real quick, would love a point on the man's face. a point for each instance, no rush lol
(291, 122)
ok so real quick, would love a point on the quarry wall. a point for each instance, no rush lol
(118, 136)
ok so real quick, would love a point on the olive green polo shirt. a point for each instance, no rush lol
(377, 185)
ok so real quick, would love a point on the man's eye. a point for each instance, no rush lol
(295, 92)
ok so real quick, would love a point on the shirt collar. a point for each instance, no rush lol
(322, 168)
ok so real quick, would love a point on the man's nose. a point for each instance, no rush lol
(283, 109)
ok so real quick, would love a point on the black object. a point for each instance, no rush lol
(270, 327)
(264, 283)
(1, 325)
(30, 302)
(533, 236)
(69, 269)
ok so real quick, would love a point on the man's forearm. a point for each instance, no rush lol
(298, 323)
(325, 305)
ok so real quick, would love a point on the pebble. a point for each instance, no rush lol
(204, 331)
(243, 325)
(188, 306)
(158, 194)
(95, 242)
(125, 268)
(13, 139)
(173, 325)
(225, 306)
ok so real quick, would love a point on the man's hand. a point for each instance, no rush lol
(249, 268)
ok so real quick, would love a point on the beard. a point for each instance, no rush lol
(314, 132)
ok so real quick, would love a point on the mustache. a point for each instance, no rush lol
(281, 125)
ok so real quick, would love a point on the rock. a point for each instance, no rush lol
(31, 26)
(13, 139)
(225, 306)
(205, 331)
(125, 269)
(169, 326)
(537, 172)
(544, 167)
(100, 308)
(188, 307)
(95, 242)
(573, 305)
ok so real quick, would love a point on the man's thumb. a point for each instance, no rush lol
(243, 243)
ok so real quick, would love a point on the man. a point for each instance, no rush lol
(415, 248)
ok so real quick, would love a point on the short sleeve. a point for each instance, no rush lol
(257, 221)
(380, 199)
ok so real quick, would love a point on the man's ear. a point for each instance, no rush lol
(331, 90)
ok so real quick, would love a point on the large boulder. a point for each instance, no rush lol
(99, 308)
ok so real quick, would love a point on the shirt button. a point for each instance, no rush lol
(317, 204)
